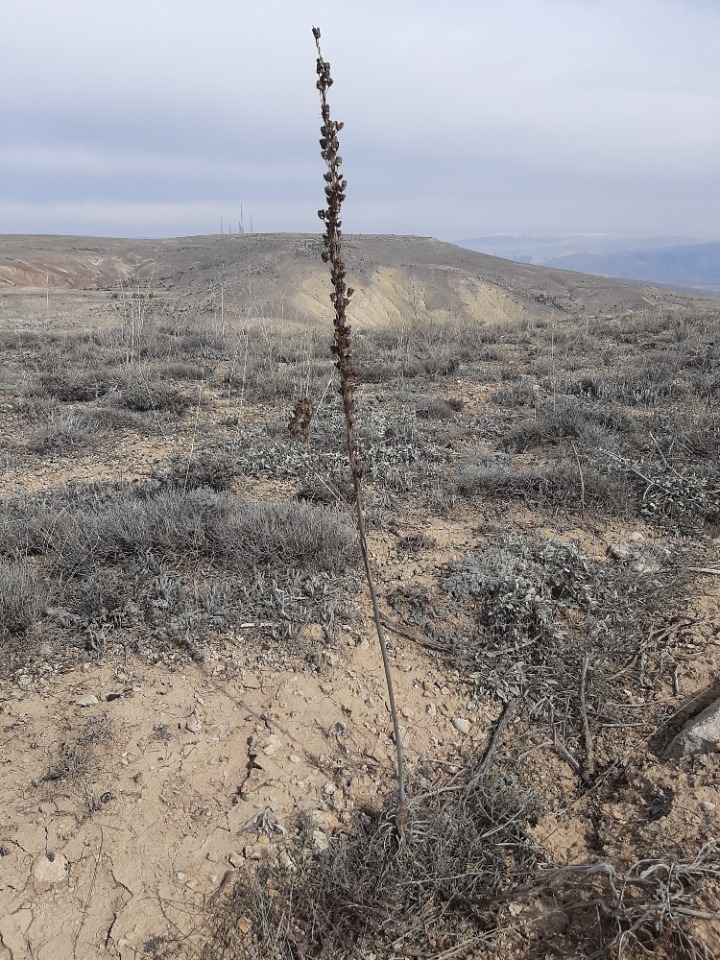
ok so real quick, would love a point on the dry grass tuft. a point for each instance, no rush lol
(375, 889)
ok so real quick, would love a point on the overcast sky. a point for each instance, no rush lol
(463, 118)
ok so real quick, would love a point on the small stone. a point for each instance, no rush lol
(329, 789)
(87, 701)
(461, 725)
(244, 927)
(194, 724)
(320, 840)
(294, 758)
(286, 862)
(180, 875)
(48, 870)
(326, 688)
(236, 860)
(431, 710)
(707, 806)
(622, 551)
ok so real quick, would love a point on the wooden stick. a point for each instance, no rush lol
(589, 771)
(582, 479)
(500, 728)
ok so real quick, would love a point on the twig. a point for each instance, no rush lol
(455, 782)
(221, 888)
(452, 952)
(500, 728)
(664, 460)
(713, 571)
(582, 479)
(402, 631)
(564, 752)
(589, 771)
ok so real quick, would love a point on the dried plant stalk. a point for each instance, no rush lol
(335, 186)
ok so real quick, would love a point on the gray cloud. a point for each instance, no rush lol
(147, 117)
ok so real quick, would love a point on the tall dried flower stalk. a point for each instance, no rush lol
(335, 186)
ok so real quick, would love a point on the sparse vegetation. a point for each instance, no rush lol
(155, 562)
(538, 492)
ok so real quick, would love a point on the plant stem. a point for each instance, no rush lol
(335, 186)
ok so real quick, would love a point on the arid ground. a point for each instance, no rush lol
(197, 758)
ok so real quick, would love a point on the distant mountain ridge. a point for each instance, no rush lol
(682, 262)
(688, 265)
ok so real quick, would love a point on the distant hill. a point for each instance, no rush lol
(270, 277)
(681, 262)
(691, 265)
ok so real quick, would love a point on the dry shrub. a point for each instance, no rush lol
(21, 598)
(591, 424)
(539, 609)
(76, 386)
(554, 484)
(166, 569)
(213, 466)
(66, 432)
(169, 341)
(377, 888)
(113, 525)
(76, 757)
(665, 906)
(136, 393)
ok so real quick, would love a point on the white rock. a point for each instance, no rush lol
(699, 735)
(461, 725)
(320, 840)
(87, 701)
(49, 869)
(194, 724)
